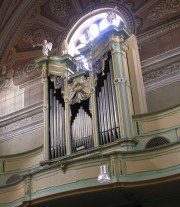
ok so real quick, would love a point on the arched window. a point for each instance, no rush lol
(92, 27)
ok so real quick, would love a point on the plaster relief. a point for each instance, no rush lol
(163, 9)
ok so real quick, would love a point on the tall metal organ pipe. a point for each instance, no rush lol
(57, 127)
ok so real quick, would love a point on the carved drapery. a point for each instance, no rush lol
(78, 90)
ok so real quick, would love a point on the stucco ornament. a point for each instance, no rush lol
(164, 8)
(6, 78)
(59, 7)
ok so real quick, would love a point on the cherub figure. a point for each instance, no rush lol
(45, 47)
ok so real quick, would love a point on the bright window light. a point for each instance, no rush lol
(83, 39)
(94, 30)
(80, 46)
(103, 24)
(116, 22)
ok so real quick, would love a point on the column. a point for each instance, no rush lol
(94, 111)
(121, 87)
(46, 113)
(67, 122)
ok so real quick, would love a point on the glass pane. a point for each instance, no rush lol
(94, 30)
(103, 24)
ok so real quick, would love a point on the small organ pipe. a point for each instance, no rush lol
(115, 104)
(51, 123)
(55, 125)
(104, 115)
(111, 107)
(107, 111)
(82, 130)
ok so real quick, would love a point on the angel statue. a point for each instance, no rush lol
(46, 46)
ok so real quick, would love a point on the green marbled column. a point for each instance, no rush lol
(121, 88)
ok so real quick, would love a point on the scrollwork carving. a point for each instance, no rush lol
(79, 90)
(58, 81)
(37, 36)
(26, 70)
(59, 7)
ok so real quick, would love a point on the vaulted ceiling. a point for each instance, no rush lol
(24, 23)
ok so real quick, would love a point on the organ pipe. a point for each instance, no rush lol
(82, 131)
(107, 111)
(57, 127)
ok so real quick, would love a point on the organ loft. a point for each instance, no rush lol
(89, 103)
(88, 108)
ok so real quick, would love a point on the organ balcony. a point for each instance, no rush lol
(94, 117)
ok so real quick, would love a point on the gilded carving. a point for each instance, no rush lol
(164, 8)
(79, 90)
(58, 81)
(105, 57)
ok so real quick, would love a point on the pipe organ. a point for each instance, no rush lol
(87, 109)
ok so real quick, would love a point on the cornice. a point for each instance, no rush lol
(173, 78)
(145, 6)
(161, 70)
(159, 58)
(154, 32)
(22, 121)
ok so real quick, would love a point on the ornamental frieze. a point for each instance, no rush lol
(163, 9)
(37, 36)
(161, 72)
(26, 70)
(21, 123)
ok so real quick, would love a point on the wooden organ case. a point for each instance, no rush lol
(87, 109)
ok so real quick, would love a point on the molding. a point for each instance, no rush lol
(22, 121)
(173, 78)
(153, 33)
(161, 70)
(159, 58)
(162, 9)
(145, 6)
(31, 83)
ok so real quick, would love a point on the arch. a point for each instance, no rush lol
(93, 14)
